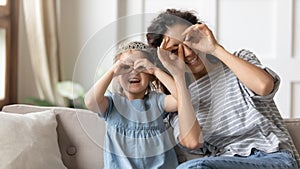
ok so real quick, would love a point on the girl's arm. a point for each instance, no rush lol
(170, 102)
(95, 99)
(166, 80)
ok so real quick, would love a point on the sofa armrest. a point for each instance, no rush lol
(293, 126)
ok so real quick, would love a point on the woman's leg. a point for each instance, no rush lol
(258, 160)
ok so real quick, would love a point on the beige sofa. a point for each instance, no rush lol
(80, 135)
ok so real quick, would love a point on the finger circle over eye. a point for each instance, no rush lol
(173, 57)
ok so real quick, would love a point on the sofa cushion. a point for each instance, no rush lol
(80, 134)
(29, 141)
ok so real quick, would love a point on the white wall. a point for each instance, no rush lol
(79, 21)
(88, 34)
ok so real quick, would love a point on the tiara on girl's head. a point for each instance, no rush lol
(134, 45)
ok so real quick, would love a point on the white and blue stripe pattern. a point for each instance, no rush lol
(234, 120)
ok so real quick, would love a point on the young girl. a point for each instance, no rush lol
(136, 136)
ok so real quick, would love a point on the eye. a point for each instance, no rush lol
(140, 68)
(125, 67)
(174, 51)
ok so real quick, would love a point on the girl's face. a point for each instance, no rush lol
(190, 58)
(134, 83)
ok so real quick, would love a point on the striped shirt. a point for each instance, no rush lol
(235, 120)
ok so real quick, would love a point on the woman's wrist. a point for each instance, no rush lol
(179, 79)
(156, 71)
(218, 51)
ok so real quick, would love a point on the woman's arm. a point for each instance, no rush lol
(190, 132)
(255, 78)
(201, 38)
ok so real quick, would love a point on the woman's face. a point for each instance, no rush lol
(190, 58)
(134, 83)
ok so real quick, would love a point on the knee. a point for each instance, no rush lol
(196, 163)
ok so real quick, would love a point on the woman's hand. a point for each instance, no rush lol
(189, 128)
(170, 61)
(201, 38)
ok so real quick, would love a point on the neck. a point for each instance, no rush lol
(133, 96)
(200, 74)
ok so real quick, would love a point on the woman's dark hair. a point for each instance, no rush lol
(170, 17)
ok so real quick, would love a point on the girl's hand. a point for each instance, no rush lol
(122, 67)
(201, 38)
(144, 65)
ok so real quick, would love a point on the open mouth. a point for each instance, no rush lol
(192, 61)
(134, 80)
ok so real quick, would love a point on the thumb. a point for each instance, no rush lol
(159, 53)
(180, 52)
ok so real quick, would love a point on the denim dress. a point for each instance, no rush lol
(136, 136)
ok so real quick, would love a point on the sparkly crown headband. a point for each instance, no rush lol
(135, 45)
(150, 52)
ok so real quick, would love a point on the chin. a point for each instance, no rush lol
(197, 69)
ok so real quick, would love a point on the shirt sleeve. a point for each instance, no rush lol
(161, 101)
(174, 123)
(158, 99)
(105, 114)
(251, 58)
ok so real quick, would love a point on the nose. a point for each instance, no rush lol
(187, 51)
(134, 72)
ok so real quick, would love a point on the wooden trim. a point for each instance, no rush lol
(10, 23)
(14, 51)
(5, 24)
(5, 10)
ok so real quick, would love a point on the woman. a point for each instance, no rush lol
(235, 122)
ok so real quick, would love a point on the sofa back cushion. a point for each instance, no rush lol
(29, 141)
(80, 135)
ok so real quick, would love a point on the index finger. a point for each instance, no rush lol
(164, 43)
(180, 52)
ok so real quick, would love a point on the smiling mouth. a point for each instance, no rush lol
(134, 80)
(192, 61)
